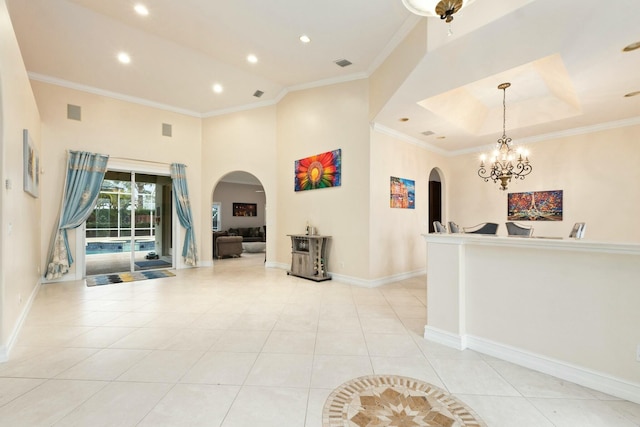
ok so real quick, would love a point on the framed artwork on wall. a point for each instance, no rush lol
(535, 206)
(402, 193)
(320, 171)
(245, 209)
(31, 165)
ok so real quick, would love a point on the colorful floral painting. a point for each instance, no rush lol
(403, 193)
(319, 171)
(535, 206)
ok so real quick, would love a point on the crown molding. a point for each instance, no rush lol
(141, 101)
(115, 95)
(633, 121)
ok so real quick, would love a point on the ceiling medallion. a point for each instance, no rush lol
(506, 163)
(445, 9)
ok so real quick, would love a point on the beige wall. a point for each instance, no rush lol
(19, 213)
(242, 141)
(314, 121)
(121, 130)
(390, 75)
(598, 173)
(396, 245)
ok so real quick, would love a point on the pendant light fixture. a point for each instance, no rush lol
(442, 8)
(506, 163)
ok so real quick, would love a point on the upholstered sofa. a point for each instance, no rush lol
(249, 234)
(228, 246)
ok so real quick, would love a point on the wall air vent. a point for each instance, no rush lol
(343, 62)
(74, 112)
(166, 129)
(427, 133)
(258, 93)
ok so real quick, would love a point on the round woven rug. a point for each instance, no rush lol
(390, 400)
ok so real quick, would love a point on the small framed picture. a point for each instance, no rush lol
(245, 209)
(31, 165)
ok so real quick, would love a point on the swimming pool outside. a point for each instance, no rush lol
(108, 247)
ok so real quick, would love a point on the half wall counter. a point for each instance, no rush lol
(566, 307)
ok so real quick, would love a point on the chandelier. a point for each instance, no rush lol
(442, 8)
(506, 163)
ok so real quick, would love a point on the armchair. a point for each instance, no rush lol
(439, 228)
(453, 227)
(514, 229)
(483, 228)
(577, 232)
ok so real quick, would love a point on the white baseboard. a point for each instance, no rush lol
(599, 381)
(445, 338)
(5, 349)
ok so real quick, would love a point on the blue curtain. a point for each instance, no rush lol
(85, 172)
(183, 207)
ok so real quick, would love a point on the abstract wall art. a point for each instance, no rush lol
(319, 171)
(535, 206)
(403, 193)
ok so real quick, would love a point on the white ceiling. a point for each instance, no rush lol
(563, 58)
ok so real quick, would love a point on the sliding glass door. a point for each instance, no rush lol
(130, 227)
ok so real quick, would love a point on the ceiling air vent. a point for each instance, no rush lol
(343, 62)
(427, 133)
(258, 93)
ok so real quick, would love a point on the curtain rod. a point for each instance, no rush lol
(139, 160)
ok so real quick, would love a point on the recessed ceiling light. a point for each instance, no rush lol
(141, 9)
(441, 137)
(252, 58)
(217, 88)
(124, 57)
(630, 94)
(632, 46)
(305, 38)
(404, 119)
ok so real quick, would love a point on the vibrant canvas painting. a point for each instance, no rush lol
(319, 171)
(535, 206)
(403, 193)
(245, 209)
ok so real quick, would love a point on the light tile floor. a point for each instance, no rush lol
(239, 345)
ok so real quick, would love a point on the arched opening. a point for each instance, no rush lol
(435, 198)
(238, 216)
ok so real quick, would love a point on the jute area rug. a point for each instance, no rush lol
(108, 279)
(393, 401)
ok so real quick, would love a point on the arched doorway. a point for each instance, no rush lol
(435, 198)
(238, 208)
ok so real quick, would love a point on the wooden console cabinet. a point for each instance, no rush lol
(308, 258)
